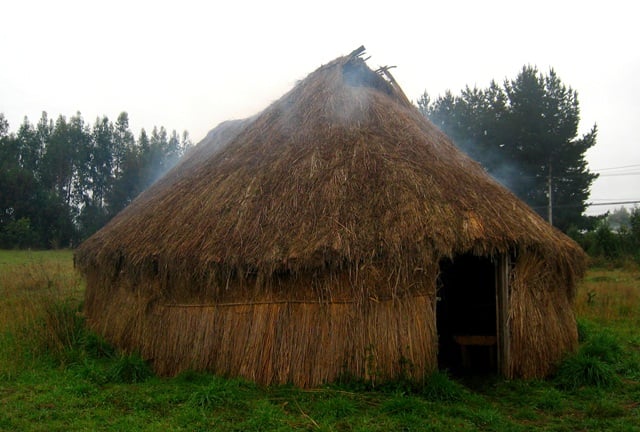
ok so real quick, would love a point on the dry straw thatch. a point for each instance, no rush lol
(304, 243)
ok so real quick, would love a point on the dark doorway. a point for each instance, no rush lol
(466, 315)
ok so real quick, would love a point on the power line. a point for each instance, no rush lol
(615, 199)
(589, 204)
(633, 173)
(612, 203)
(618, 167)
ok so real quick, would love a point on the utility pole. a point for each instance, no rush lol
(550, 196)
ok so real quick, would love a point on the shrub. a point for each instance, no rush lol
(18, 234)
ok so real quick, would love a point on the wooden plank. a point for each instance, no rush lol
(476, 340)
(357, 52)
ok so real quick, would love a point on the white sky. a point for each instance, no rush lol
(188, 65)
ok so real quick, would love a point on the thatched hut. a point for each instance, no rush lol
(338, 232)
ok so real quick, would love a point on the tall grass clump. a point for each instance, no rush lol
(582, 370)
(40, 304)
(595, 364)
(603, 346)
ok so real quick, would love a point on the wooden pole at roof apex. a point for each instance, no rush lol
(384, 70)
(357, 52)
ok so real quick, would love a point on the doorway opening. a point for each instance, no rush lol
(466, 315)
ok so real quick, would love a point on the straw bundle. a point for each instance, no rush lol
(295, 245)
(543, 325)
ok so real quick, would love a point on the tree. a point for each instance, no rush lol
(101, 160)
(4, 127)
(123, 141)
(29, 147)
(525, 134)
(619, 218)
(57, 161)
(95, 176)
(543, 118)
(18, 185)
(185, 143)
(59, 191)
(634, 222)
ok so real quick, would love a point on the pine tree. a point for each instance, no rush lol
(526, 135)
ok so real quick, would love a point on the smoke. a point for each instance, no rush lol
(498, 164)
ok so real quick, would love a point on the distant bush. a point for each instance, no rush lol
(606, 245)
(18, 234)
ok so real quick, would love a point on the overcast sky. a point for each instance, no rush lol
(188, 65)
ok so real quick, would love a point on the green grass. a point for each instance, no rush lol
(56, 376)
(28, 258)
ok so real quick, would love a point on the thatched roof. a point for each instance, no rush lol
(341, 170)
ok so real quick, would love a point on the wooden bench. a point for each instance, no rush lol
(475, 340)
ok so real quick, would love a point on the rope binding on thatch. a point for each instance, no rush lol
(374, 299)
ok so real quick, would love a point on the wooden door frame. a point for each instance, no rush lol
(503, 334)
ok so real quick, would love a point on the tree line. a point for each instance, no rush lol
(61, 181)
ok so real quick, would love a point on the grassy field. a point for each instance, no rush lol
(54, 375)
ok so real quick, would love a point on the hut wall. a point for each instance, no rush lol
(542, 321)
(306, 343)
